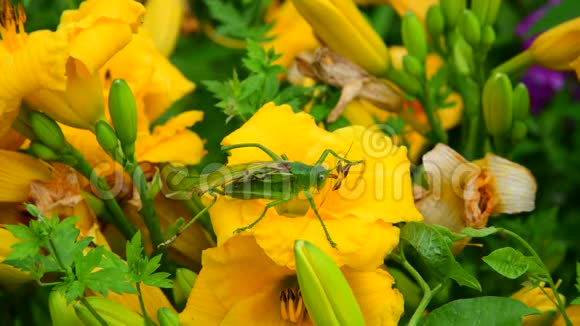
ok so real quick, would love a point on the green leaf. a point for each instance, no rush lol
(444, 231)
(508, 262)
(480, 233)
(435, 252)
(489, 311)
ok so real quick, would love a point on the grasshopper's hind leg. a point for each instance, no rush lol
(264, 149)
(193, 219)
(268, 206)
(313, 205)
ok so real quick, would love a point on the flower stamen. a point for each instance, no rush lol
(12, 19)
(291, 305)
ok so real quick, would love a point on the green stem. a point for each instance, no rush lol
(516, 65)
(147, 211)
(148, 320)
(428, 293)
(429, 106)
(549, 279)
(501, 146)
(86, 303)
(119, 218)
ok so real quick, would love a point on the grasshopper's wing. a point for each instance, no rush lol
(241, 173)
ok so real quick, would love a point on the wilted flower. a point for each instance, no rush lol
(464, 194)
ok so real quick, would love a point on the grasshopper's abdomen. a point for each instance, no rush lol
(258, 189)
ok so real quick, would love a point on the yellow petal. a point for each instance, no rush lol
(108, 23)
(167, 142)
(379, 302)
(17, 172)
(514, 185)
(573, 312)
(447, 173)
(150, 75)
(163, 19)
(232, 272)
(86, 142)
(418, 7)
(534, 297)
(292, 34)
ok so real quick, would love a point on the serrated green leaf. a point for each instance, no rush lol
(489, 311)
(434, 251)
(480, 233)
(159, 280)
(576, 301)
(508, 262)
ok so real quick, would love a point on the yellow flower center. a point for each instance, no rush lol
(292, 306)
(12, 21)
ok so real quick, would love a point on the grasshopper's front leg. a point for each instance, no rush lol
(308, 195)
(268, 206)
(183, 228)
(273, 155)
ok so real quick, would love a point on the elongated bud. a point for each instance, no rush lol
(167, 317)
(414, 37)
(487, 37)
(48, 131)
(413, 66)
(521, 102)
(61, 313)
(548, 49)
(462, 56)
(124, 115)
(486, 10)
(452, 10)
(519, 130)
(162, 21)
(184, 281)
(111, 312)
(497, 104)
(435, 21)
(470, 28)
(43, 152)
(327, 295)
(106, 136)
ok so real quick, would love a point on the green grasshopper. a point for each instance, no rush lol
(280, 180)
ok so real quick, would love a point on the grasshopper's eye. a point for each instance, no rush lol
(321, 177)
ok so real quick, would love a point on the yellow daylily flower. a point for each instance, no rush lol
(163, 19)
(358, 216)
(17, 172)
(464, 194)
(573, 312)
(110, 24)
(343, 29)
(240, 284)
(292, 34)
(9, 276)
(547, 49)
(534, 297)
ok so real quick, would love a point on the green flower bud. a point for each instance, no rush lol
(327, 295)
(123, 111)
(43, 152)
(452, 10)
(112, 313)
(462, 56)
(521, 102)
(414, 37)
(486, 10)
(519, 130)
(470, 28)
(61, 312)
(184, 281)
(106, 136)
(48, 131)
(435, 21)
(414, 67)
(167, 317)
(487, 37)
(497, 104)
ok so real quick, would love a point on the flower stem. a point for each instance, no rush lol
(428, 293)
(429, 106)
(86, 303)
(515, 65)
(81, 165)
(549, 279)
(148, 321)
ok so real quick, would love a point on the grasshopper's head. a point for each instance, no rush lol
(320, 174)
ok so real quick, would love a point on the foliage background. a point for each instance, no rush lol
(551, 150)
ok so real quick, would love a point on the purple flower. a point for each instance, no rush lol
(542, 83)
